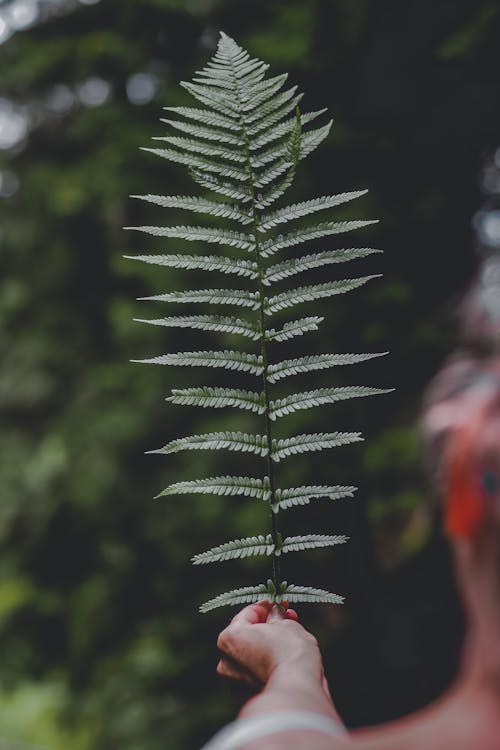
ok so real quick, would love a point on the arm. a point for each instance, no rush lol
(263, 647)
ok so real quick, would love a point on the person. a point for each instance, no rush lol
(293, 708)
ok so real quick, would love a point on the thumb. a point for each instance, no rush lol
(275, 614)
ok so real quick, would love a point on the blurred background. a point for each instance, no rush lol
(101, 644)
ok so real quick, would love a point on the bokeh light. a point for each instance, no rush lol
(60, 98)
(94, 91)
(14, 124)
(22, 14)
(141, 87)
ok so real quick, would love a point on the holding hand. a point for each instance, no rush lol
(261, 640)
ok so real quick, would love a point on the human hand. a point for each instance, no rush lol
(261, 640)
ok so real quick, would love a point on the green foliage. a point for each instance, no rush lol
(254, 162)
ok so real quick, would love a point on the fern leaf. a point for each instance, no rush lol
(293, 496)
(200, 162)
(207, 117)
(202, 149)
(260, 124)
(289, 367)
(313, 138)
(297, 265)
(292, 153)
(309, 141)
(218, 398)
(294, 594)
(202, 234)
(271, 174)
(228, 360)
(318, 397)
(227, 189)
(260, 92)
(239, 297)
(284, 103)
(233, 441)
(205, 132)
(246, 268)
(309, 443)
(311, 541)
(245, 595)
(216, 323)
(217, 101)
(198, 205)
(282, 130)
(310, 293)
(237, 549)
(298, 210)
(248, 486)
(326, 229)
(294, 328)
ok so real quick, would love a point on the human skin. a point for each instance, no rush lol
(461, 423)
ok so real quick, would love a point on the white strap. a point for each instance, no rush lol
(256, 727)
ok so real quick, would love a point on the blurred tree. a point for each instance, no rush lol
(102, 645)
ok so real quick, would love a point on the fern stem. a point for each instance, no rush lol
(263, 343)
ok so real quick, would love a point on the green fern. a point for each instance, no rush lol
(244, 145)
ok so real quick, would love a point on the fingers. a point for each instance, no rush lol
(252, 614)
(291, 614)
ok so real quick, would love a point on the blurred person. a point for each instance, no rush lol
(270, 650)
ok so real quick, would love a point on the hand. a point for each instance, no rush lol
(260, 640)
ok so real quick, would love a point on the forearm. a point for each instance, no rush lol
(294, 691)
(290, 689)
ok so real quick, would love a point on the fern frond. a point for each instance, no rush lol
(243, 144)
(313, 138)
(310, 293)
(318, 397)
(293, 496)
(311, 541)
(284, 102)
(309, 443)
(203, 149)
(260, 92)
(217, 101)
(205, 132)
(294, 594)
(237, 549)
(245, 595)
(247, 268)
(289, 367)
(227, 189)
(207, 117)
(218, 398)
(198, 205)
(199, 162)
(260, 123)
(294, 328)
(202, 234)
(271, 174)
(326, 229)
(298, 210)
(293, 266)
(248, 486)
(215, 323)
(238, 297)
(233, 441)
(282, 130)
(228, 360)
(292, 155)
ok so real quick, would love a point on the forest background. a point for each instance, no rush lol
(101, 644)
